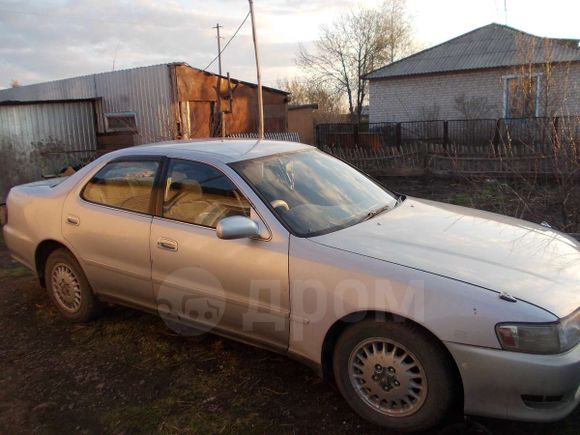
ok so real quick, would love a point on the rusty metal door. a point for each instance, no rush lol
(196, 119)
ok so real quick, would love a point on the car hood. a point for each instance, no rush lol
(529, 261)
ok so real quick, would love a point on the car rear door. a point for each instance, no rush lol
(107, 221)
(239, 286)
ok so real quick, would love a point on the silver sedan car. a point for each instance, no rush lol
(410, 306)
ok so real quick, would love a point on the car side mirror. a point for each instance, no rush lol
(237, 227)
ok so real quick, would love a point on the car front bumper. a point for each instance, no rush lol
(518, 386)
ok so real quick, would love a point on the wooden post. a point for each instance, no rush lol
(259, 79)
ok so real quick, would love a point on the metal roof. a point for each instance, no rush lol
(491, 46)
(81, 86)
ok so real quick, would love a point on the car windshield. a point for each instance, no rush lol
(314, 193)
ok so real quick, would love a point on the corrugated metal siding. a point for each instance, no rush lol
(146, 91)
(77, 88)
(39, 139)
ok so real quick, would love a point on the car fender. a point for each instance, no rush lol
(328, 284)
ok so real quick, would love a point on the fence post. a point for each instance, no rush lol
(496, 137)
(445, 134)
(398, 135)
(317, 135)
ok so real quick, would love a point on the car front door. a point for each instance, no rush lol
(238, 286)
(107, 223)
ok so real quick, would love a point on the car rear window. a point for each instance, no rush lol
(125, 184)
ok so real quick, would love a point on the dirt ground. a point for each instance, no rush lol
(128, 373)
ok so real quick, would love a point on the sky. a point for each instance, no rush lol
(44, 40)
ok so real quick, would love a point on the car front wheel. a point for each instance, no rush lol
(393, 374)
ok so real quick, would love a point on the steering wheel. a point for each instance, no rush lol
(280, 203)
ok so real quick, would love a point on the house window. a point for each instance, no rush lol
(521, 96)
(121, 122)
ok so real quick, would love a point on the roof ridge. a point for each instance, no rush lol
(100, 73)
(493, 36)
(427, 49)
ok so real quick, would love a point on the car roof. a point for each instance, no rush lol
(223, 150)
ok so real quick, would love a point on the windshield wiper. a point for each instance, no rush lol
(378, 211)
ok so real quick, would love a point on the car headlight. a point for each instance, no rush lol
(542, 338)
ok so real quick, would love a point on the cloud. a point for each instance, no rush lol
(54, 39)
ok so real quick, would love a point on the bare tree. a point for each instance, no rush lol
(473, 107)
(357, 43)
(539, 85)
(309, 92)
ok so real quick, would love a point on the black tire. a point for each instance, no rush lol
(89, 306)
(434, 366)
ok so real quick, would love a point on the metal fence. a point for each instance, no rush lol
(536, 133)
(283, 136)
(475, 146)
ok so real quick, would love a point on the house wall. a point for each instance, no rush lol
(562, 97)
(434, 96)
(196, 93)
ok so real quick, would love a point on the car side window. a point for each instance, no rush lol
(199, 194)
(124, 184)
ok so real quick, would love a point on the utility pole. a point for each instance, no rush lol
(505, 11)
(260, 98)
(219, 83)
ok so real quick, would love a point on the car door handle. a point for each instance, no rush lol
(73, 220)
(167, 244)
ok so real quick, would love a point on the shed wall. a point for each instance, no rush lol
(198, 90)
(301, 121)
(146, 91)
(42, 138)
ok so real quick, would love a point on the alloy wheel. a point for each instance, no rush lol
(387, 377)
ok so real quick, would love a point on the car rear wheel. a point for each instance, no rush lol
(393, 374)
(69, 289)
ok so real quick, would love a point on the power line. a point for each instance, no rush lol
(227, 43)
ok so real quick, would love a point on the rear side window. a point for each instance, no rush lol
(126, 185)
(199, 194)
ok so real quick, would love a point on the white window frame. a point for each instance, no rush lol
(506, 79)
(109, 129)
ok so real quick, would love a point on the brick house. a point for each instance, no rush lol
(494, 71)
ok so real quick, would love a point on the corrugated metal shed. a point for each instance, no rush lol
(41, 138)
(147, 91)
(491, 46)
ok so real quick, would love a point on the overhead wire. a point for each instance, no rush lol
(228, 43)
